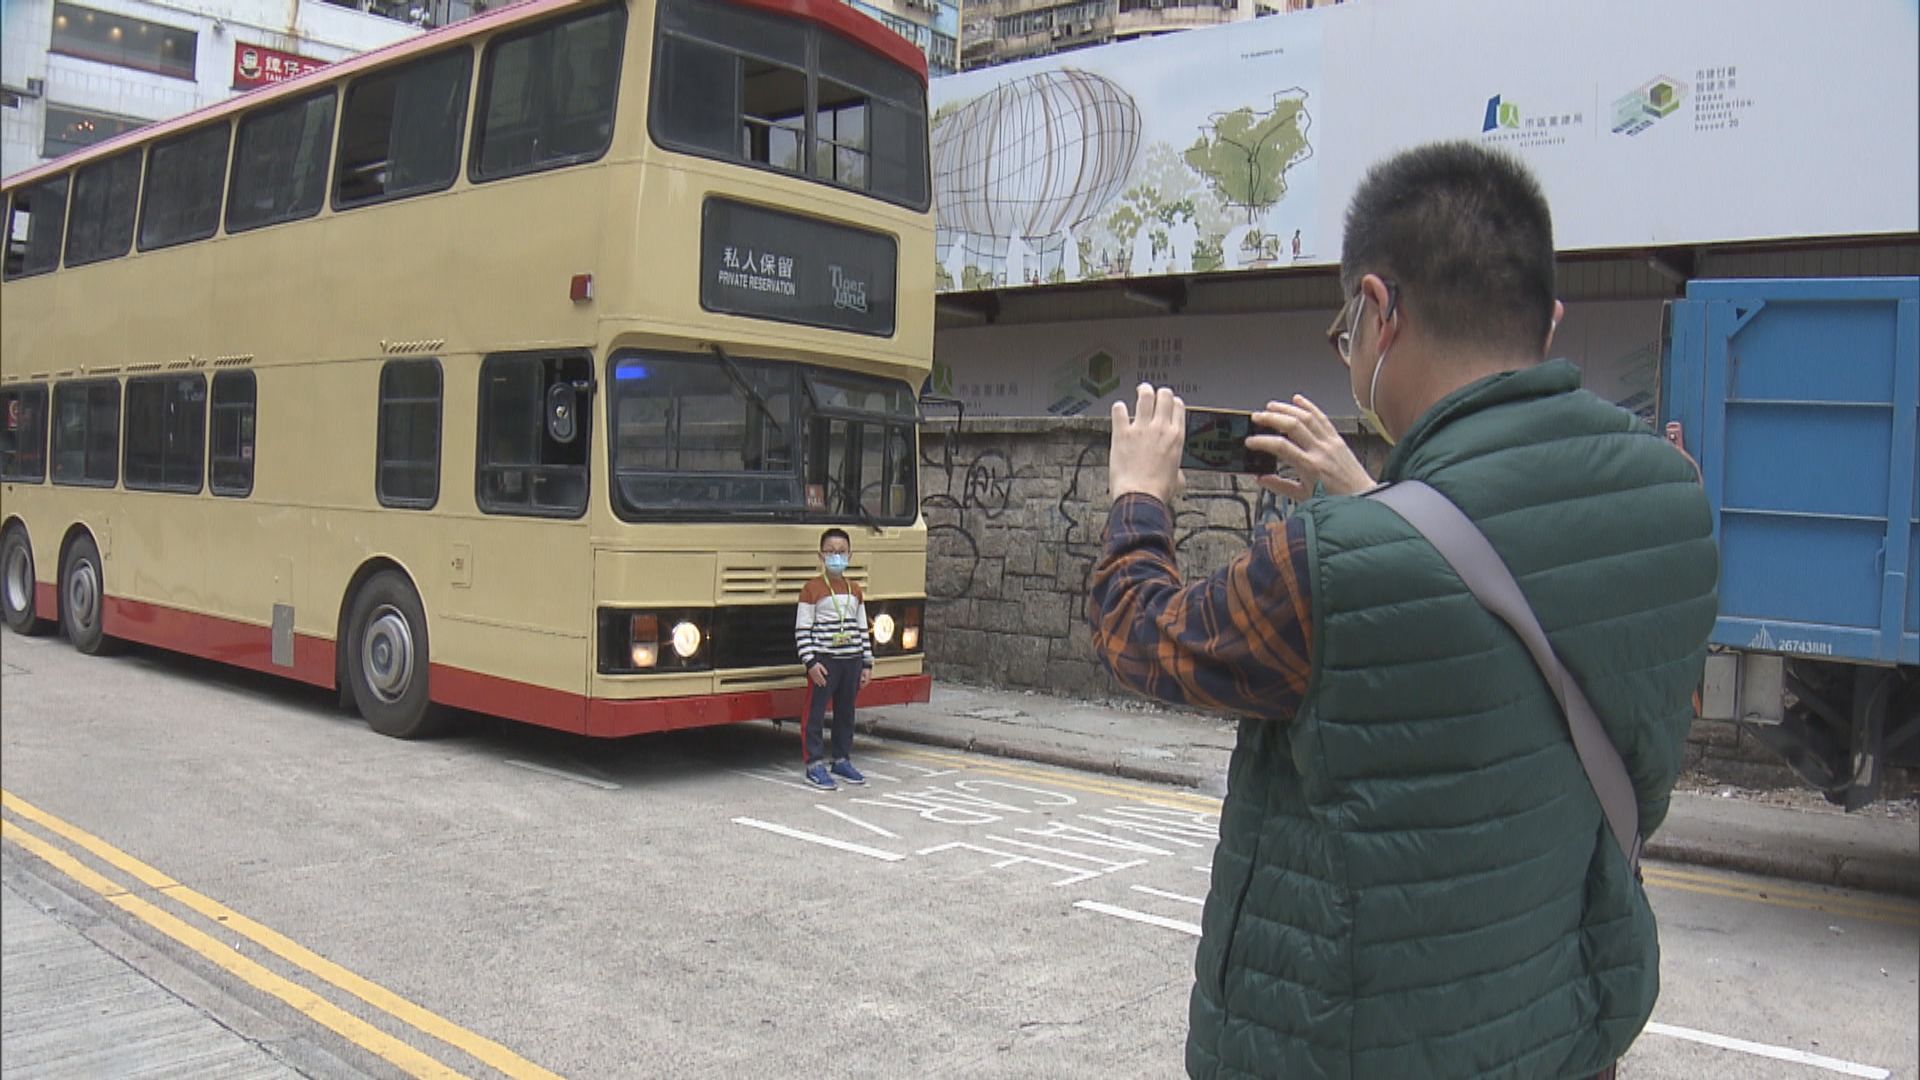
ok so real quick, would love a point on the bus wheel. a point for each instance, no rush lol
(387, 659)
(17, 583)
(83, 600)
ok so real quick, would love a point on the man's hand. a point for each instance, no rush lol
(818, 674)
(1307, 443)
(866, 676)
(1145, 458)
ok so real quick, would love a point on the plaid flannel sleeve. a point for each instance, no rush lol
(1239, 640)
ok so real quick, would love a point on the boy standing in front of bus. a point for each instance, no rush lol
(831, 630)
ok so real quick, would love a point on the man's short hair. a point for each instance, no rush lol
(832, 533)
(1466, 234)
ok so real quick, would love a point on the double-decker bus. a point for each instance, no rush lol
(516, 368)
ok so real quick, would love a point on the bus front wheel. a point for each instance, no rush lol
(83, 600)
(387, 659)
(17, 586)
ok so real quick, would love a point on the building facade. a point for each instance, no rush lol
(932, 25)
(74, 74)
(1003, 31)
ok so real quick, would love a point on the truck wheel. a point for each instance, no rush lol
(17, 583)
(387, 659)
(83, 600)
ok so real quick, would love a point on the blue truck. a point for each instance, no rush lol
(1799, 401)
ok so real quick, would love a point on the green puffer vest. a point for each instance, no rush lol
(1414, 878)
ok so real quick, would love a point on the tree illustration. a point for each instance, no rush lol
(1245, 154)
(1162, 189)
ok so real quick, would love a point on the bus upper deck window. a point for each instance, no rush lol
(35, 226)
(547, 95)
(400, 130)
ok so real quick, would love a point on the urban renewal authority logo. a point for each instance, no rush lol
(1655, 100)
(1504, 123)
(1500, 114)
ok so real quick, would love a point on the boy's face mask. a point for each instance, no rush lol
(836, 563)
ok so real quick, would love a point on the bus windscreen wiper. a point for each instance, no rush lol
(746, 388)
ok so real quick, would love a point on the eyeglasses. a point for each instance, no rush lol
(1347, 320)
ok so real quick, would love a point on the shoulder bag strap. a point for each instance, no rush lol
(1465, 548)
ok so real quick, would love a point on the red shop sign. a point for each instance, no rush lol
(257, 65)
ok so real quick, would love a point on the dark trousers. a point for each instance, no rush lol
(843, 686)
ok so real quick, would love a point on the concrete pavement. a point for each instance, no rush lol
(1798, 839)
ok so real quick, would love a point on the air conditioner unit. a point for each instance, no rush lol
(1086, 27)
(1059, 32)
(36, 87)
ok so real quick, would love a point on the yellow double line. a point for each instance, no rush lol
(1865, 908)
(394, 1051)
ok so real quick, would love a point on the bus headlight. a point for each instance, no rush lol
(883, 629)
(686, 640)
(645, 642)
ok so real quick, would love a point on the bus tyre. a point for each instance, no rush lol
(83, 600)
(17, 586)
(387, 659)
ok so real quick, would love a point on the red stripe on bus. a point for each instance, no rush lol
(525, 702)
(227, 641)
(842, 19)
(606, 718)
(46, 601)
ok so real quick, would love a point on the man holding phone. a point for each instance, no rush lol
(1415, 876)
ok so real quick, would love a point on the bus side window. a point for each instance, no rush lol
(408, 452)
(105, 196)
(36, 221)
(184, 183)
(521, 467)
(166, 433)
(230, 446)
(280, 163)
(86, 433)
(400, 130)
(35, 227)
(23, 434)
(547, 95)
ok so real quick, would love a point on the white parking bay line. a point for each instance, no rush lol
(867, 825)
(1137, 916)
(816, 838)
(1165, 895)
(1778, 1053)
(548, 770)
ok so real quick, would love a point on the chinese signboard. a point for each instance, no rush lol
(769, 265)
(1238, 147)
(256, 65)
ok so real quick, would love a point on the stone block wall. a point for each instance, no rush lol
(1015, 509)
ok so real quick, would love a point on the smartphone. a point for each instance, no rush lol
(1217, 442)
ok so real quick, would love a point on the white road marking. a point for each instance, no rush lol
(1138, 916)
(773, 779)
(816, 838)
(1208, 870)
(1778, 1053)
(869, 826)
(603, 785)
(1150, 891)
(871, 775)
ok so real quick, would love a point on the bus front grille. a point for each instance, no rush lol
(754, 636)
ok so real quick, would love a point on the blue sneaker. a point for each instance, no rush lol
(817, 776)
(845, 771)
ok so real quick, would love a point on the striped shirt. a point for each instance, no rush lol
(831, 622)
(1240, 640)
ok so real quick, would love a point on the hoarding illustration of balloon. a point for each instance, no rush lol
(1032, 158)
